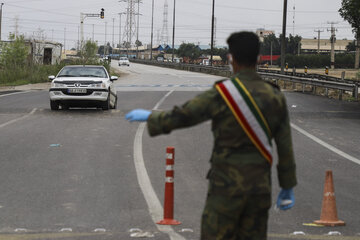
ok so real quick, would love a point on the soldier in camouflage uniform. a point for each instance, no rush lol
(239, 194)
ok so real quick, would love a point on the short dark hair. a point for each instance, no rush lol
(244, 47)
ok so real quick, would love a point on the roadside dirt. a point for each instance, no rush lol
(27, 87)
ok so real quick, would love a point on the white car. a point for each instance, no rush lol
(124, 61)
(82, 86)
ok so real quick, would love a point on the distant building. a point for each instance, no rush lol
(43, 52)
(261, 33)
(311, 45)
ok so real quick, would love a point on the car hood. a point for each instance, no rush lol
(80, 79)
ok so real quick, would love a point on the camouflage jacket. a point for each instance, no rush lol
(237, 167)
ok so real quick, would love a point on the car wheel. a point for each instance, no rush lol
(54, 105)
(106, 105)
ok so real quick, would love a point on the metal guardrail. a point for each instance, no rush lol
(310, 75)
(314, 80)
(342, 86)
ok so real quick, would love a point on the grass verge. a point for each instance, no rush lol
(37, 73)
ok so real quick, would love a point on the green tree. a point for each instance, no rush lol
(350, 11)
(351, 47)
(89, 51)
(14, 53)
(266, 45)
(293, 44)
(189, 50)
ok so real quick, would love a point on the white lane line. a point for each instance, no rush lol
(9, 94)
(324, 144)
(18, 119)
(162, 100)
(153, 202)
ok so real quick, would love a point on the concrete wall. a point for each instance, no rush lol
(38, 51)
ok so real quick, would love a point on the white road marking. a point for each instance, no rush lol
(334, 233)
(153, 202)
(186, 230)
(326, 145)
(20, 230)
(18, 119)
(162, 100)
(9, 94)
(66, 230)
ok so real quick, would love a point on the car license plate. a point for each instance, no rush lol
(77, 90)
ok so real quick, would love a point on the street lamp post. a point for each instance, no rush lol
(137, 31)
(173, 37)
(212, 32)
(283, 47)
(1, 18)
(152, 29)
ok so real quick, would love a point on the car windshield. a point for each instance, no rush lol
(98, 72)
(123, 58)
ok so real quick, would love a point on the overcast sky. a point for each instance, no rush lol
(193, 19)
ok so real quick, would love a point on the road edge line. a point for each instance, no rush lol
(18, 119)
(154, 206)
(326, 145)
(14, 93)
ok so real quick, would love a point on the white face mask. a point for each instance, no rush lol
(230, 58)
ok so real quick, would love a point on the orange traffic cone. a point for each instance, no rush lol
(328, 210)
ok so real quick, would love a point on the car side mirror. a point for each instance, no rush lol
(113, 78)
(51, 77)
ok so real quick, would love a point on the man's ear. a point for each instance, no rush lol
(230, 58)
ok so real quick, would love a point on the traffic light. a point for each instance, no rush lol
(102, 13)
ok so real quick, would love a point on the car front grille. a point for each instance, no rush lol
(80, 83)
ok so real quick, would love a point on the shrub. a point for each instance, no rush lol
(319, 61)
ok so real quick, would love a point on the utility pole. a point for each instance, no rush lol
(332, 41)
(16, 27)
(105, 45)
(65, 41)
(78, 42)
(1, 6)
(283, 47)
(93, 28)
(294, 19)
(113, 32)
(137, 31)
(212, 33)
(318, 31)
(271, 53)
(173, 35)
(152, 29)
(120, 27)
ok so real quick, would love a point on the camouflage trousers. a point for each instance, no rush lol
(241, 217)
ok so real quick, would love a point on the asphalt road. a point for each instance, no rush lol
(78, 174)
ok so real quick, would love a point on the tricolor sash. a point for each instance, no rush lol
(248, 114)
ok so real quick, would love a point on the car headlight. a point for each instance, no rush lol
(57, 85)
(98, 85)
